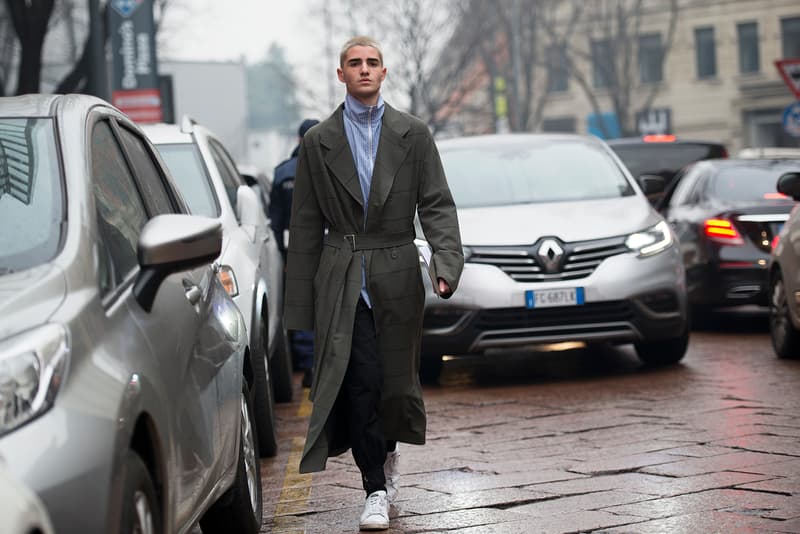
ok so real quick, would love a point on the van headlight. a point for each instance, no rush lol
(32, 366)
(651, 241)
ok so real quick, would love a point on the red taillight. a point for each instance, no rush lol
(659, 138)
(775, 241)
(774, 196)
(722, 231)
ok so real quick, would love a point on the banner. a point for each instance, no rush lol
(135, 84)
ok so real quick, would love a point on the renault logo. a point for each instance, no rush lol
(550, 254)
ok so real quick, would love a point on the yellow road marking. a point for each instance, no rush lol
(296, 488)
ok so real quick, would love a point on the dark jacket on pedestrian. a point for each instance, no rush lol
(323, 276)
(280, 198)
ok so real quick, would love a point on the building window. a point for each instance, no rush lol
(602, 63)
(706, 52)
(790, 36)
(557, 70)
(651, 58)
(747, 32)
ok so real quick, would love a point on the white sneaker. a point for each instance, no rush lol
(391, 470)
(376, 512)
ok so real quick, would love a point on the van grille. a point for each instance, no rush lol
(520, 263)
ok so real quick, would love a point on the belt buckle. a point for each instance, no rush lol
(351, 238)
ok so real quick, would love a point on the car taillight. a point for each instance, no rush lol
(775, 241)
(722, 231)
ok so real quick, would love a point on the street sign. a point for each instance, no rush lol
(790, 72)
(791, 119)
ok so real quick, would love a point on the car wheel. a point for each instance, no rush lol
(239, 508)
(663, 351)
(140, 507)
(263, 398)
(281, 367)
(785, 337)
(430, 368)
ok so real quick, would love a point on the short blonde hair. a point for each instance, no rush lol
(359, 40)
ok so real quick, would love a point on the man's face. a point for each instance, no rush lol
(362, 73)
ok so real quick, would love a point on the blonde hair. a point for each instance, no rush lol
(360, 40)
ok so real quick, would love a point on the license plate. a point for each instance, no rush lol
(548, 298)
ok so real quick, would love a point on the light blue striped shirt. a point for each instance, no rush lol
(362, 125)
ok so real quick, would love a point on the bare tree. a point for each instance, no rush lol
(604, 60)
(413, 34)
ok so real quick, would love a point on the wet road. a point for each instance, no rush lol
(580, 441)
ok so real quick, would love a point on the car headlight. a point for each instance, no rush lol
(32, 366)
(651, 241)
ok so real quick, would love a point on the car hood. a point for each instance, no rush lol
(569, 221)
(29, 298)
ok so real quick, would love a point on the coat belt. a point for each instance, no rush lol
(368, 241)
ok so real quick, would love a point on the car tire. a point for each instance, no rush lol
(663, 351)
(263, 398)
(140, 507)
(430, 368)
(281, 367)
(239, 508)
(785, 337)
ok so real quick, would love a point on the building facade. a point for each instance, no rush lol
(718, 80)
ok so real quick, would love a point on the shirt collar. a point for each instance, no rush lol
(358, 111)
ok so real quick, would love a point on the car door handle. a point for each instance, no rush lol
(193, 293)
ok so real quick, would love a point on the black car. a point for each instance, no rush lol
(654, 160)
(726, 214)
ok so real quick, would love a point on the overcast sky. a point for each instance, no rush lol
(215, 30)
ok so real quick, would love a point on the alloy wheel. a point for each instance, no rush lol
(249, 452)
(144, 515)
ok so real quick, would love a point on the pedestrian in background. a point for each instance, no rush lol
(280, 208)
(353, 274)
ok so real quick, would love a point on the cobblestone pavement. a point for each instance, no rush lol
(579, 441)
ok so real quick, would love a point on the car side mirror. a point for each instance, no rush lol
(652, 184)
(172, 243)
(248, 207)
(789, 184)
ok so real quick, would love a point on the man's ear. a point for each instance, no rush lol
(340, 74)
(383, 74)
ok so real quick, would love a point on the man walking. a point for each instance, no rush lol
(353, 274)
(280, 207)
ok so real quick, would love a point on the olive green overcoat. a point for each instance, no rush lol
(323, 278)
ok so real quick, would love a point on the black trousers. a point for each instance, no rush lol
(360, 396)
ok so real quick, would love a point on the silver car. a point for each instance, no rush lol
(21, 512)
(125, 371)
(784, 276)
(561, 245)
(210, 182)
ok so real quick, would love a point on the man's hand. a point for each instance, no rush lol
(444, 288)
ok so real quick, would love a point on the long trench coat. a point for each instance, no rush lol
(327, 240)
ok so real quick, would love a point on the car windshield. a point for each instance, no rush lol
(186, 167)
(737, 184)
(521, 173)
(31, 195)
(664, 159)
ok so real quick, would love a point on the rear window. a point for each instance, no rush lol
(190, 176)
(664, 159)
(31, 194)
(521, 173)
(745, 184)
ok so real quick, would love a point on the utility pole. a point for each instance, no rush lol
(516, 64)
(98, 77)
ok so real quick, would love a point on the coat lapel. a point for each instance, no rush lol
(339, 157)
(392, 151)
